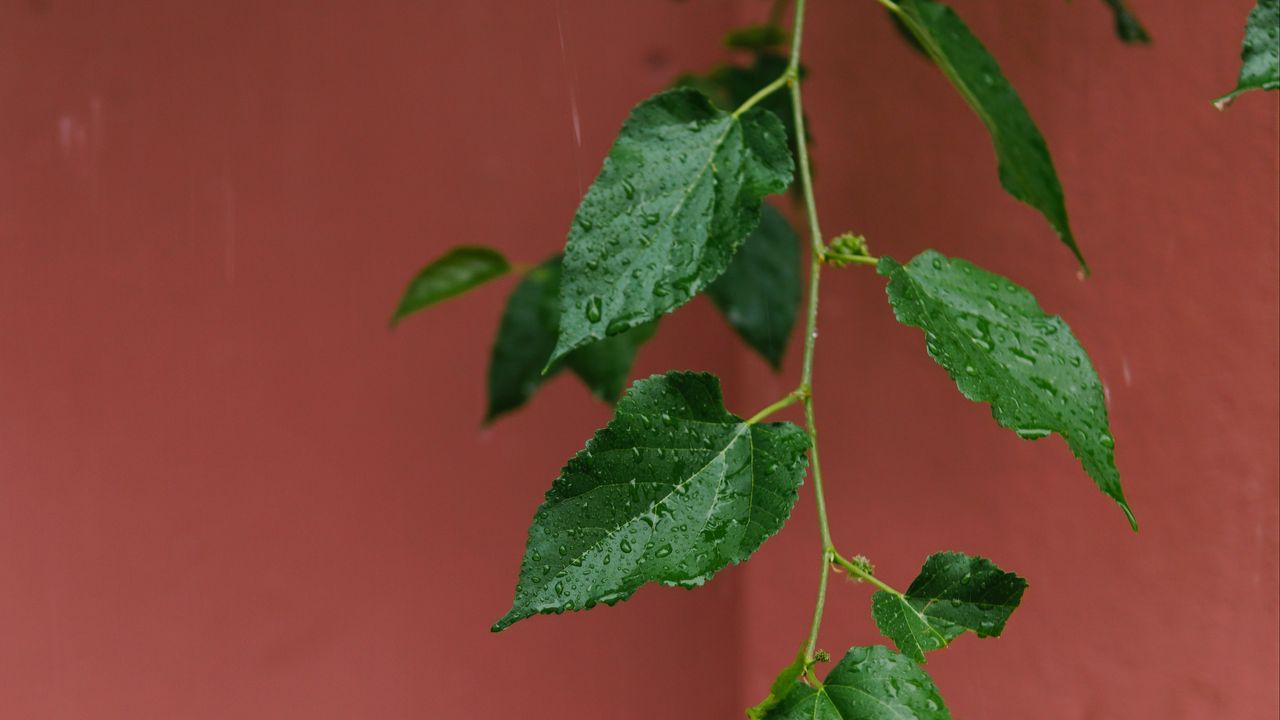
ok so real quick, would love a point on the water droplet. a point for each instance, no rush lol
(585, 224)
(663, 551)
(1032, 433)
(595, 306)
(629, 189)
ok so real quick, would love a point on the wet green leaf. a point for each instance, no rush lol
(953, 593)
(760, 292)
(869, 683)
(1260, 54)
(782, 685)
(1000, 348)
(672, 490)
(1128, 27)
(679, 192)
(527, 335)
(1026, 169)
(459, 270)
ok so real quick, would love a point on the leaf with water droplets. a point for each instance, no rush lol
(458, 271)
(760, 292)
(1026, 169)
(953, 593)
(672, 490)
(527, 335)
(869, 683)
(679, 192)
(1259, 54)
(1000, 348)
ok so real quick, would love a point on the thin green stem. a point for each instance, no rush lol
(838, 258)
(788, 400)
(792, 76)
(860, 572)
(761, 94)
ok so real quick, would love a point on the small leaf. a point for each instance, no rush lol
(1128, 27)
(869, 683)
(782, 686)
(527, 335)
(679, 192)
(1260, 54)
(459, 270)
(953, 593)
(760, 292)
(672, 490)
(1026, 169)
(1000, 348)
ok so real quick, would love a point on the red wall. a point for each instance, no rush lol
(227, 491)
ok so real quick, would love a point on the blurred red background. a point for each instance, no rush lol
(227, 491)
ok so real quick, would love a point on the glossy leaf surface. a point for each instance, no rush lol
(953, 593)
(1026, 169)
(459, 270)
(1001, 348)
(869, 683)
(672, 490)
(679, 192)
(527, 335)
(760, 292)
(1260, 54)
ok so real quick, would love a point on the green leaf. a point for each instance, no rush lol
(953, 593)
(1000, 348)
(782, 686)
(679, 192)
(527, 334)
(673, 489)
(1026, 169)
(459, 270)
(1260, 54)
(1128, 27)
(869, 683)
(760, 292)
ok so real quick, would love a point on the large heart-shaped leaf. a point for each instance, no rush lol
(672, 490)
(1000, 348)
(678, 193)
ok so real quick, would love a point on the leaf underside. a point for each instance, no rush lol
(679, 192)
(869, 683)
(527, 334)
(456, 272)
(672, 490)
(953, 593)
(759, 294)
(1025, 166)
(1259, 54)
(1000, 348)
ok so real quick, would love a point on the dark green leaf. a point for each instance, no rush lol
(869, 683)
(760, 292)
(952, 594)
(755, 37)
(1260, 55)
(671, 491)
(527, 335)
(459, 270)
(679, 192)
(1128, 27)
(1000, 348)
(1026, 169)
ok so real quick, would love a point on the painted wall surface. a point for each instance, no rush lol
(226, 490)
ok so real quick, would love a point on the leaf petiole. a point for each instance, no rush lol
(860, 572)
(787, 400)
